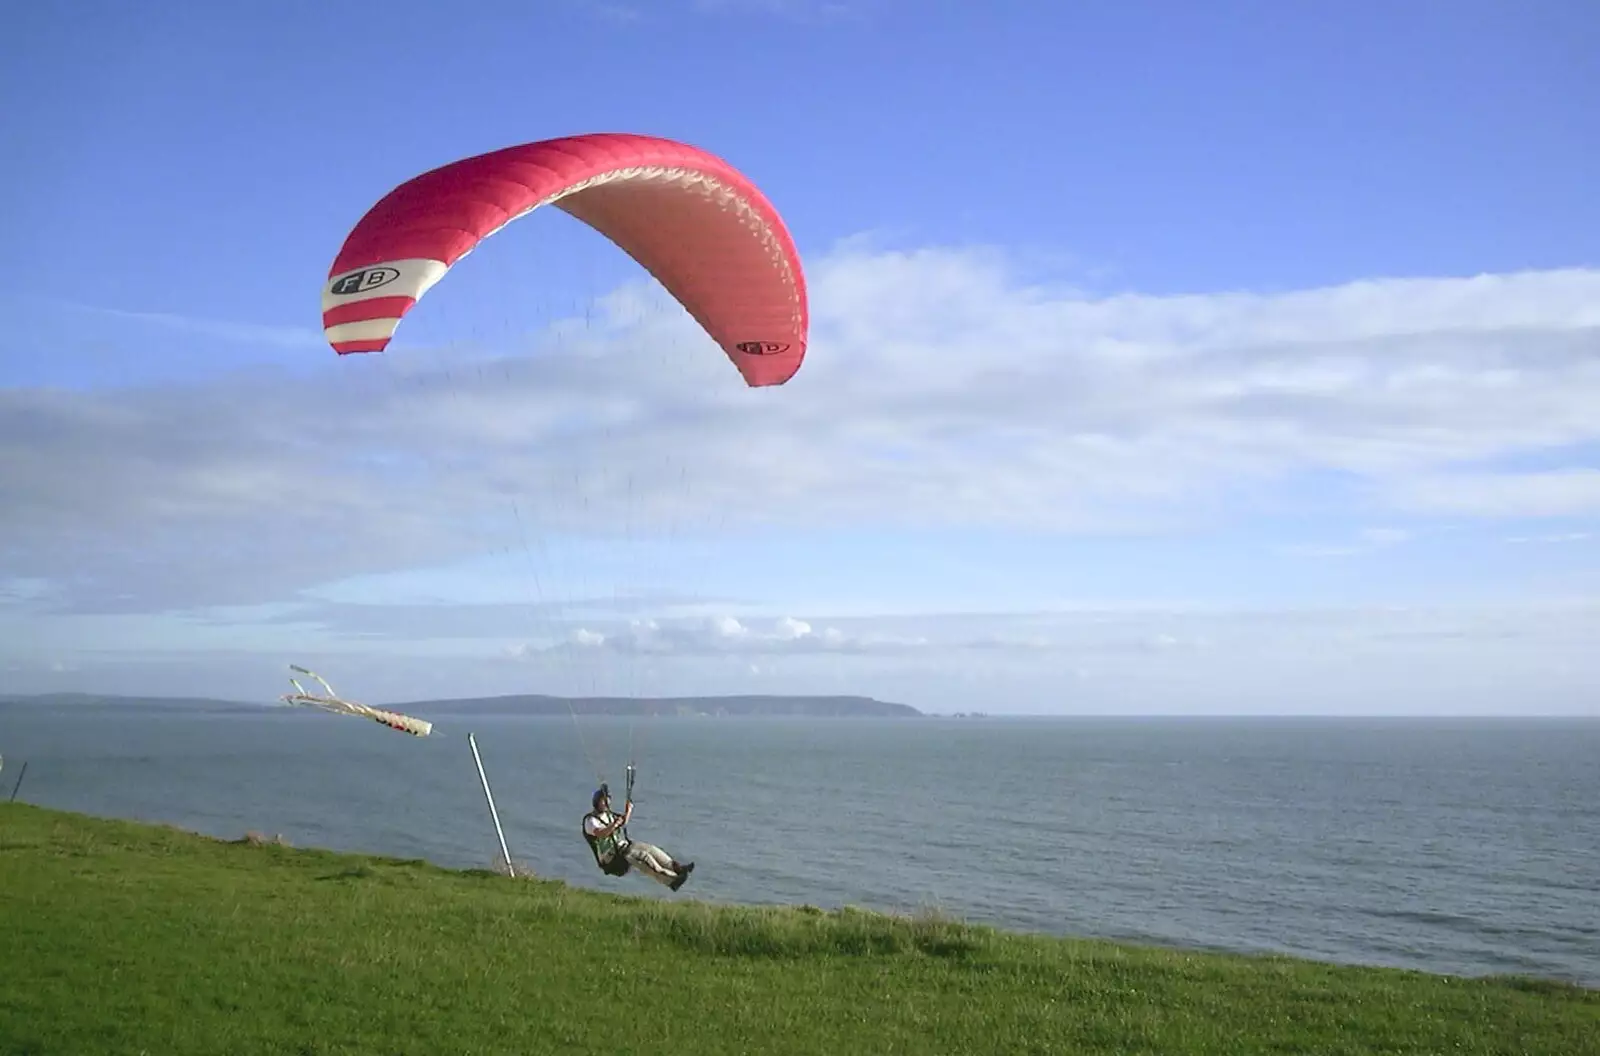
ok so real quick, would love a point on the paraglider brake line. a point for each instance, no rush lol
(628, 797)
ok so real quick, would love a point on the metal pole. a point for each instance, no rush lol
(20, 776)
(473, 740)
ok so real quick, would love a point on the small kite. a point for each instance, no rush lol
(331, 701)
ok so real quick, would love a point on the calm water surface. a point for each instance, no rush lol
(1465, 846)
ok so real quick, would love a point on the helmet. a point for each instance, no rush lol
(603, 792)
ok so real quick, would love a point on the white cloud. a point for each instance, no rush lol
(1552, 493)
(1385, 536)
(285, 337)
(1555, 537)
(720, 635)
(939, 392)
(1366, 541)
(18, 589)
(1521, 658)
(799, 10)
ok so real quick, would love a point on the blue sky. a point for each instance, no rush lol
(1163, 359)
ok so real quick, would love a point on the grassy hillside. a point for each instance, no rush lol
(123, 938)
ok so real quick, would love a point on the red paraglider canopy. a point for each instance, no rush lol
(700, 227)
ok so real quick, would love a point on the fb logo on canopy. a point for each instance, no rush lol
(364, 280)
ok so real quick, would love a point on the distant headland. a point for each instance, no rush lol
(775, 706)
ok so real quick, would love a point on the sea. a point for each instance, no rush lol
(1461, 846)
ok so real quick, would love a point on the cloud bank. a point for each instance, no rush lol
(941, 392)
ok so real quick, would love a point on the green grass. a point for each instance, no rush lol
(125, 938)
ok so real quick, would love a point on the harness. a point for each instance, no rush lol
(608, 850)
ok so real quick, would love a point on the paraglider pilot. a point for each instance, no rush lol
(615, 853)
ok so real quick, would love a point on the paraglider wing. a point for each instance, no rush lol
(706, 233)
